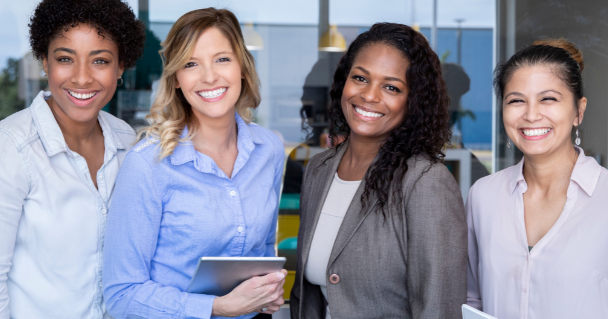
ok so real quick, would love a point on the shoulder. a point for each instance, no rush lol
(145, 151)
(266, 136)
(491, 183)
(120, 127)
(19, 128)
(422, 167)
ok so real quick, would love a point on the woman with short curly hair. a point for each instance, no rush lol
(60, 158)
(382, 224)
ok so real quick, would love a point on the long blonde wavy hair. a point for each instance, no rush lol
(170, 111)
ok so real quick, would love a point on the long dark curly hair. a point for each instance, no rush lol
(425, 127)
(112, 18)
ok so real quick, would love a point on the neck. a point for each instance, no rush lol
(550, 170)
(74, 131)
(218, 134)
(361, 151)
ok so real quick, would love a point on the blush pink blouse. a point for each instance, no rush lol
(565, 275)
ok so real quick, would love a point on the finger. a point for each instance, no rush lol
(272, 278)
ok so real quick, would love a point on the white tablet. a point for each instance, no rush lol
(469, 312)
(220, 275)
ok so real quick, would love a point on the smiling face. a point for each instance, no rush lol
(83, 69)
(211, 80)
(375, 92)
(539, 110)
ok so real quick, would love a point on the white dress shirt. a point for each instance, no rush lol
(565, 275)
(52, 218)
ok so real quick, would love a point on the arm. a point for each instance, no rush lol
(473, 294)
(437, 246)
(15, 187)
(131, 238)
(279, 165)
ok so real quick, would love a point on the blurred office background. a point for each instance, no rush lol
(297, 44)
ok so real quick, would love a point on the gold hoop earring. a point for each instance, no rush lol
(46, 78)
(121, 81)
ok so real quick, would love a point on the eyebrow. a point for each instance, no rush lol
(541, 93)
(547, 91)
(224, 52)
(65, 49)
(389, 78)
(95, 52)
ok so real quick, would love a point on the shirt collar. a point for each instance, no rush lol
(586, 173)
(46, 125)
(184, 151)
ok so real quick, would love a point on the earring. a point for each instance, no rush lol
(121, 81)
(577, 141)
(46, 78)
(508, 142)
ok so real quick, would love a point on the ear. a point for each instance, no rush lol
(177, 86)
(121, 69)
(582, 106)
(45, 64)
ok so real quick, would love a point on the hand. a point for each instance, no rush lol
(252, 295)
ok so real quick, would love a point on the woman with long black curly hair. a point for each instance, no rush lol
(383, 231)
(60, 158)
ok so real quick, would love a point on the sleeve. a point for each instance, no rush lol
(437, 246)
(279, 164)
(130, 243)
(473, 293)
(14, 183)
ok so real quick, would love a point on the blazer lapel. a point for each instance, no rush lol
(352, 220)
(324, 176)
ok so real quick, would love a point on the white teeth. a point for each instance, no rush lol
(368, 114)
(536, 132)
(82, 96)
(212, 94)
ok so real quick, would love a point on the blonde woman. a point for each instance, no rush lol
(203, 182)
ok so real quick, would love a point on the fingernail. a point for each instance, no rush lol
(280, 276)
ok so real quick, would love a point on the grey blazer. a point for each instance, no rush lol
(413, 264)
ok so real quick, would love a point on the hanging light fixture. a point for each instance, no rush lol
(253, 40)
(332, 40)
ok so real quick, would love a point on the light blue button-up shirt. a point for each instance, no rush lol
(167, 214)
(52, 218)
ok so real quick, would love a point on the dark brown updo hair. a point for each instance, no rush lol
(425, 127)
(561, 54)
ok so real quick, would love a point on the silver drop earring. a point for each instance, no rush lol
(577, 141)
(508, 142)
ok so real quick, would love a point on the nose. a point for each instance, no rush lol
(82, 75)
(533, 112)
(371, 94)
(209, 74)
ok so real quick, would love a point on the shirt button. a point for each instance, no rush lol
(103, 211)
(232, 193)
(334, 279)
(100, 284)
(525, 289)
(100, 177)
(240, 229)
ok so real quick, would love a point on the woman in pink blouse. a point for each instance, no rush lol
(538, 231)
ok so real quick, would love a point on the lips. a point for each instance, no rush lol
(212, 94)
(367, 115)
(82, 98)
(535, 133)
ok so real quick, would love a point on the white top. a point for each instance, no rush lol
(565, 275)
(52, 218)
(336, 204)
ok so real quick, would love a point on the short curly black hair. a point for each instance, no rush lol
(111, 18)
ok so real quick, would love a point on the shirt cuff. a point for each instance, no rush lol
(199, 306)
